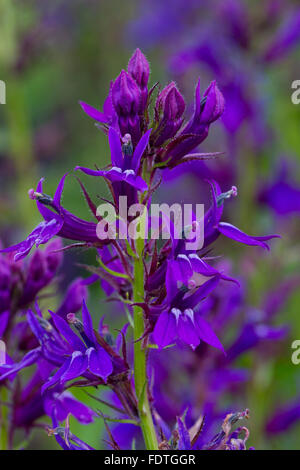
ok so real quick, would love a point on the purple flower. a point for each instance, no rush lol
(71, 355)
(214, 227)
(125, 164)
(57, 221)
(83, 356)
(180, 321)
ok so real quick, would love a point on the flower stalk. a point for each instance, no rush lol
(140, 360)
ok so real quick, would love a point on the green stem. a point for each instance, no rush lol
(4, 422)
(140, 372)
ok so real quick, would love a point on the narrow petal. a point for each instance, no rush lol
(236, 234)
(93, 112)
(165, 329)
(184, 442)
(139, 150)
(67, 332)
(115, 148)
(4, 316)
(77, 367)
(186, 331)
(99, 363)
(88, 323)
(82, 413)
(55, 378)
(59, 190)
(30, 358)
(201, 293)
(206, 334)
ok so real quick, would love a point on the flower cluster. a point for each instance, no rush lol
(165, 288)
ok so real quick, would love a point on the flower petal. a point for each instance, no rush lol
(93, 112)
(77, 367)
(99, 362)
(234, 233)
(165, 331)
(206, 333)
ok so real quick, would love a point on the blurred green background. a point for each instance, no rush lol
(55, 53)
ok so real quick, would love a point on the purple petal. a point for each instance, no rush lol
(77, 367)
(93, 112)
(55, 378)
(30, 358)
(184, 442)
(165, 332)
(40, 235)
(4, 316)
(139, 150)
(99, 363)
(65, 329)
(59, 190)
(186, 331)
(82, 413)
(88, 323)
(201, 293)
(236, 234)
(206, 334)
(115, 148)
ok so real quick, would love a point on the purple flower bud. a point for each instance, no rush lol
(126, 97)
(138, 68)
(213, 107)
(206, 110)
(170, 102)
(169, 109)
